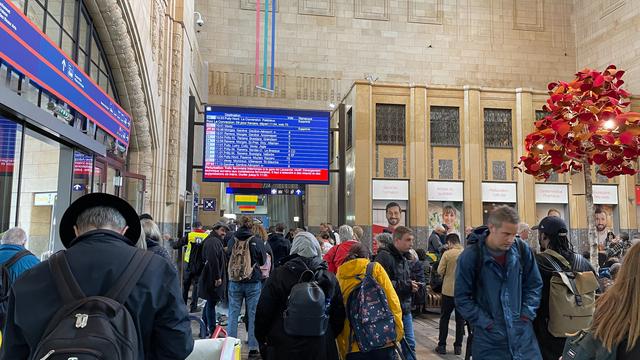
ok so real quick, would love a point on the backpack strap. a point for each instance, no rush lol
(130, 276)
(523, 252)
(566, 279)
(478, 267)
(66, 283)
(370, 268)
(14, 259)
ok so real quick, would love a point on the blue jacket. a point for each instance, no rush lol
(496, 306)
(24, 264)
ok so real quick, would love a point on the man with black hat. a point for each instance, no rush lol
(557, 253)
(213, 280)
(100, 231)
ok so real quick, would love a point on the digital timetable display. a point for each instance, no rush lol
(266, 145)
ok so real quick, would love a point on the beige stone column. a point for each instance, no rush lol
(473, 126)
(419, 157)
(627, 203)
(525, 183)
(364, 144)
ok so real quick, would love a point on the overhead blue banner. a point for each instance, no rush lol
(32, 53)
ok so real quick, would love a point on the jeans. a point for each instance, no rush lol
(209, 316)
(448, 305)
(250, 292)
(409, 343)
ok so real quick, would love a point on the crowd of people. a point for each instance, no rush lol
(314, 296)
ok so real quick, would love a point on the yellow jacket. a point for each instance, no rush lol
(447, 269)
(346, 275)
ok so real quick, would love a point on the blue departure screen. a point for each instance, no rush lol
(266, 145)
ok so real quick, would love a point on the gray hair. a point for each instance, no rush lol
(100, 217)
(15, 236)
(384, 239)
(150, 229)
(523, 227)
(142, 241)
(502, 214)
(345, 232)
(439, 228)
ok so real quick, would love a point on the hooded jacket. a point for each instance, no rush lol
(347, 278)
(279, 246)
(156, 248)
(97, 258)
(399, 271)
(256, 248)
(269, 324)
(337, 254)
(500, 302)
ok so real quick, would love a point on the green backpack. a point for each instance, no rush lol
(584, 346)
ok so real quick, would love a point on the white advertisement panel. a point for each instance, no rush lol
(445, 191)
(499, 192)
(390, 190)
(552, 194)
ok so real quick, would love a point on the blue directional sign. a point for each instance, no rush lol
(27, 49)
(208, 204)
(78, 187)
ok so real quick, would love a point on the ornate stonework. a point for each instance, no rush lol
(119, 31)
(173, 148)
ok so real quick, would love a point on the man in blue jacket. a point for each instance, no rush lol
(498, 289)
(13, 242)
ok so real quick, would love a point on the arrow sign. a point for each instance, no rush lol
(209, 204)
(78, 187)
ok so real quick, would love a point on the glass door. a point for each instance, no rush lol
(133, 190)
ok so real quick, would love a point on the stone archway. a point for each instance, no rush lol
(116, 33)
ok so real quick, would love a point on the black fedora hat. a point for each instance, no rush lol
(68, 221)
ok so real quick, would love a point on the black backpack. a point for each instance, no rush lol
(92, 327)
(435, 279)
(305, 314)
(6, 283)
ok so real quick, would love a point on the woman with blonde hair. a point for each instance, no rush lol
(616, 321)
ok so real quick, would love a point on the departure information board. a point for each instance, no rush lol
(266, 145)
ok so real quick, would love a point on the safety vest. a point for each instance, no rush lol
(194, 237)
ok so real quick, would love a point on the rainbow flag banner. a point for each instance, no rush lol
(249, 200)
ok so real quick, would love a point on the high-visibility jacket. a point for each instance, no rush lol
(195, 237)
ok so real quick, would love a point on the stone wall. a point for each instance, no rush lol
(324, 45)
(607, 33)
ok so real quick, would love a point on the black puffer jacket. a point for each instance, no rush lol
(399, 271)
(269, 325)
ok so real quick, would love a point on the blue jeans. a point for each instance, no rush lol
(209, 316)
(409, 342)
(250, 292)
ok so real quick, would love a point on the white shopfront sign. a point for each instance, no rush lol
(44, 199)
(445, 191)
(605, 194)
(552, 194)
(390, 190)
(499, 192)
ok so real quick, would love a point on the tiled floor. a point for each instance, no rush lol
(426, 331)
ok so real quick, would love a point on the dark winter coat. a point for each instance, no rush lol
(500, 302)
(215, 267)
(551, 347)
(269, 325)
(97, 258)
(156, 248)
(399, 271)
(258, 253)
(280, 247)
(417, 274)
(435, 243)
